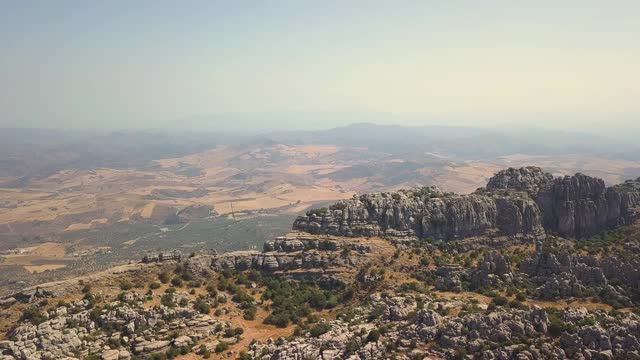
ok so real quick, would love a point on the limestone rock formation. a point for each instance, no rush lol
(515, 202)
(294, 256)
(494, 270)
(529, 179)
(65, 333)
(561, 275)
(581, 206)
(448, 278)
(446, 217)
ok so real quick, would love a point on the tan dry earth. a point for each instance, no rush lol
(122, 194)
(277, 178)
(87, 226)
(34, 269)
(39, 258)
(31, 254)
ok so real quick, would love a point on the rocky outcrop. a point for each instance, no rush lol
(448, 278)
(581, 206)
(243, 260)
(337, 343)
(295, 256)
(609, 338)
(500, 327)
(302, 242)
(529, 179)
(503, 333)
(494, 270)
(578, 206)
(407, 214)
(545, 263)
(273, 261)
(561, 275)
(124, 328)
(515, 202)
(284, 244)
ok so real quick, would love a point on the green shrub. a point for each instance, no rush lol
(500, 300)
(233, 332)
(126, 285)
(202, 306)
(515, 304)
(279, 320)
(212, 290)
(158, 356)
(186, 276)
(557, 326)
(373, 336)
(319, 329)
(167, 300)
(195, 283)
(172, 353)
(249, 313)
(176, 281)
(33, 315)
(222, 346)
(164, 277)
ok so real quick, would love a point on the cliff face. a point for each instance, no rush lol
(516, 202)
(437, 215)
(581, 206)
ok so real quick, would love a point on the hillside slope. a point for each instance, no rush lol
(478, 291)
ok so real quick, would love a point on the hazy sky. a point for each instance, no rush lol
(147, 63)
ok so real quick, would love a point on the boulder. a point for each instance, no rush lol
(110, 355)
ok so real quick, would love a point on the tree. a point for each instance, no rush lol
(202, 306)
(249, 313)
(222, 346)
(319, 329)
(373, 336)
(164, 277)
(33, 315)
(176, 281)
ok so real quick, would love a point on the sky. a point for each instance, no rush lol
(148, 64)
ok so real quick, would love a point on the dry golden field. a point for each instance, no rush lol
(275, 178)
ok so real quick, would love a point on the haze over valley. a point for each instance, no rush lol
(76, 201)
(336, 180)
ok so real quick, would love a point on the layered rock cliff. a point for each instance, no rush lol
(441, 217)
(581, 206)
(578, 206)
(516, 202)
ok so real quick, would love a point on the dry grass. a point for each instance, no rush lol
(34, 269)
(278, 177)
(87, 226)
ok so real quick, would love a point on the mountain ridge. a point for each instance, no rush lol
(516, 202)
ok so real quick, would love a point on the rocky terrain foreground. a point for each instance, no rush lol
(529, 267)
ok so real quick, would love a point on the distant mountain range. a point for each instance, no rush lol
(34, 151)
